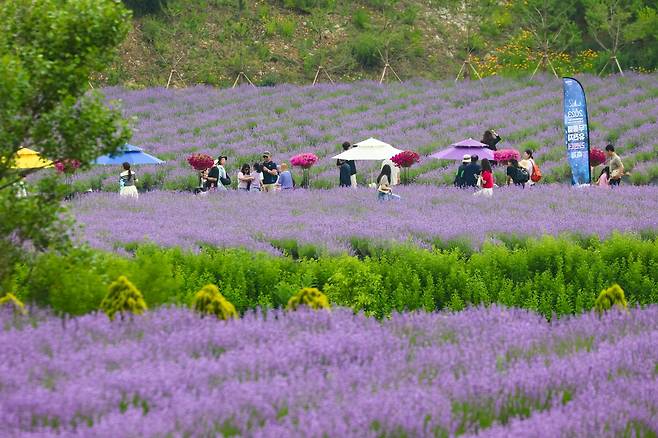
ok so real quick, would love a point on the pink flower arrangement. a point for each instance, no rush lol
(305, 161)
(67, 165)
(200, 161)
(596, 157)
(506, 155)
(406, 159)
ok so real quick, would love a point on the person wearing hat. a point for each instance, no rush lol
(459, 178)
(217, 177)
(270, 172)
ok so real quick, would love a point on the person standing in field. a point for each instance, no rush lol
(486, 180)
(491, 139)
(339, 163)
(285, 181)
(384, 191)
(270, 172)
(245, 178)
(127, 182)
(472, 172)
(459, 177)
(615, 165)
(217, 178)
(345, 175)
(604, 178)
(257, 182)
(532, 168)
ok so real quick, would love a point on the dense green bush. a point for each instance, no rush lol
(550, 276)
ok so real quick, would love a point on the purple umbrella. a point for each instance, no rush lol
(456, 151)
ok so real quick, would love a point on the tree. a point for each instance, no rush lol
(48, 49)
(552, 28)
(606, 20)
(642, 36)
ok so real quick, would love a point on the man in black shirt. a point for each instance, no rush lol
(270, 172)
(471, 172)
(351, 163)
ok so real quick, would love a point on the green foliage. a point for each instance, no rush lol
(361, 19)
(365, 49)
(609, 298)
(208, 301)
(122, 297)
(309, 297)
(550, 276)
(48, 50)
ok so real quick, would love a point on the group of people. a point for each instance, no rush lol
(613, 171)
(472, 174)
(265, 176)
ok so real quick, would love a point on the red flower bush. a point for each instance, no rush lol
(507, 155)
(406, 159)
(200, 161)
(596, 157)
(305, 161)
(67, 165)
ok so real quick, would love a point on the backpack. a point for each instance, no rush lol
(522, 175)
(536, 173)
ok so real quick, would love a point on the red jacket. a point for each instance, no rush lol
(487, 180)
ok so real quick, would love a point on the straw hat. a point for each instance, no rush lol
(466, 159)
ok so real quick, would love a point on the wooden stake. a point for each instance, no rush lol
(171, 73)
(245, 76)
(317, 74)
(464, 69)
(544, 59)
(387, 66)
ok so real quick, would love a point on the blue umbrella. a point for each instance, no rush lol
(128, 154)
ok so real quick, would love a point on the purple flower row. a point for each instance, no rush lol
(330, 218)
(491, 372)
(420, 116)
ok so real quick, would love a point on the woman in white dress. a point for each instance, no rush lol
(127, 182)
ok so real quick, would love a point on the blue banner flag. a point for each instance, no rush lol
(576, 131)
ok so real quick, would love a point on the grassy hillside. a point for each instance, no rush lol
(211, 41)
(285, 41)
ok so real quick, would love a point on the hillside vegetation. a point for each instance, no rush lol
(279, 41)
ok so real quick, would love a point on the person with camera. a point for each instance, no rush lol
(270, 172)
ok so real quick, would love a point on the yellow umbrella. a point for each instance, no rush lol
(29, 159)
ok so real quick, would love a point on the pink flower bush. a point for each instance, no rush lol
(406, 159)
(200, 161)
(67, 165)
(305, 161)
(506, 155)
(596, 157)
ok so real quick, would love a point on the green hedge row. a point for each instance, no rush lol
(552, 276)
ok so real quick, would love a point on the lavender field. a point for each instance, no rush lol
(422, 116)
(329, 219)
(489, 372)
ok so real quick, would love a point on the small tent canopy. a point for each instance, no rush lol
(29, 159)
(370, 149)
(128, 154)
(456, 151)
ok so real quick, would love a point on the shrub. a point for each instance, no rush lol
(365, 49)
(122, 297)
(609, 298)
(361, 19)
(309, 297)
(208, 301)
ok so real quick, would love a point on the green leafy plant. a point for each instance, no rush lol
(123, 297)
(309, 297)
(609, 298)
(208, 301)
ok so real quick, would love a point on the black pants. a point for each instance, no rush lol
(615, 182)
